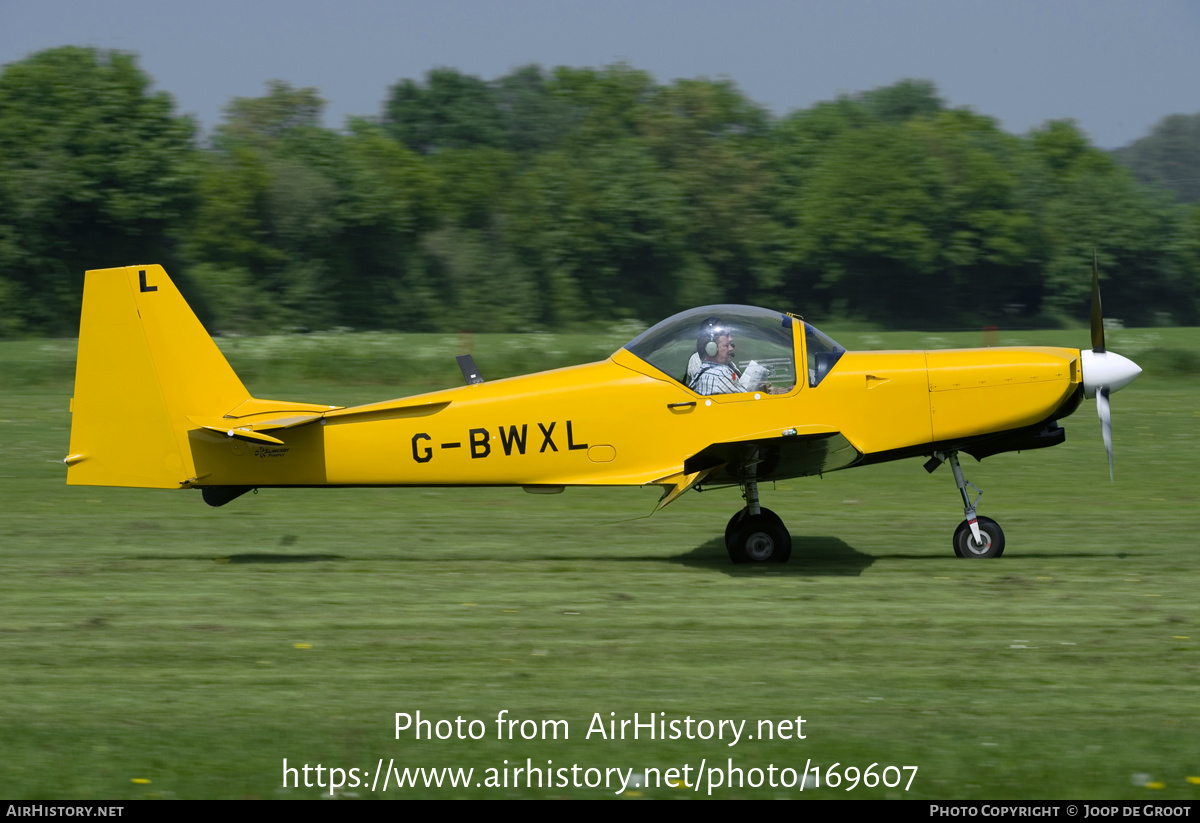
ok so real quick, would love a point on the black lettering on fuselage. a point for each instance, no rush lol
(511, 438)
(142, 282)
(514, 438)
(546, 441)
(480, 447)
(571, 444)
(427, 454)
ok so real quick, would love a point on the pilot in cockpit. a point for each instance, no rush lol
(712, 370)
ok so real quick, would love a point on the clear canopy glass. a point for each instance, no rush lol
(822, 353)
(691, 342)
(762, 354)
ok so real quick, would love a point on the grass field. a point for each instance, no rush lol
(153, 647)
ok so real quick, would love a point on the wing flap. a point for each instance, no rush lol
(676, 484)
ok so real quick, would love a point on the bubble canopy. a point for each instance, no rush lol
(762, 336)
(759, 335)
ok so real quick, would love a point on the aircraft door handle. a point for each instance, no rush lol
(686, 405)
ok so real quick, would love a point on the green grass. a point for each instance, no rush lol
(144, 636)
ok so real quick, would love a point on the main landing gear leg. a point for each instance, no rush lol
(755, 534)
(976, 536)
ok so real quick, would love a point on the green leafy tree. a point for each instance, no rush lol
(1083, 201)
(603, 105)
(800, 171)
(534, 119)
(902, 101)
(304, 227)
(388, 205)
(522, 112)
(1186, 307)
(708, 141)
(604, 235)
(1169, 156)
(267, 230)
(95, 170)
(907, 221)
(980, 228)
(450, 110)
(481, 284)
(864, 223)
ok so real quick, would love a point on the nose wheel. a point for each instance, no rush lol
(990, 544)
(976, 536)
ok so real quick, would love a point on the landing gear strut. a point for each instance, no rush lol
(976, 536)
(755, 534)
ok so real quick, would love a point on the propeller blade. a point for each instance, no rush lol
(1104, 372)
(1105, 412)
(1097, 317)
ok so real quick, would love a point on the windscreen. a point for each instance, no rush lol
(823, 353)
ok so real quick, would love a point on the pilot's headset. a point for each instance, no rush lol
(706, 342)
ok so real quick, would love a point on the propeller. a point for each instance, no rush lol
(1104, 372)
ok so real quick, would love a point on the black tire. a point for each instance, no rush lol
(760, 538)
(731, 531)
(736, 520)
(993, 539)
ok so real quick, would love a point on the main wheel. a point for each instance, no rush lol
(736, 520)
(731, 531)
(759, 538)
(989, 530)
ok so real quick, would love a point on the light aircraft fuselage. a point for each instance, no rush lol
(157, 405)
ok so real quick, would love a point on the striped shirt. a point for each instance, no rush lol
(711, 378)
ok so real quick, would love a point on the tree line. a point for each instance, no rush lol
(559, 199)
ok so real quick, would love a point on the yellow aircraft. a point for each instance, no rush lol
(156, 405)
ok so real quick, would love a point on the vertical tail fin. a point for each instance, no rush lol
(145, 363)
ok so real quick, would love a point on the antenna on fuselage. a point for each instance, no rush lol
(470, 371)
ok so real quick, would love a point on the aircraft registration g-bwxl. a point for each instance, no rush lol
(716, 396)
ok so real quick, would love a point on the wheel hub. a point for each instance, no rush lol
(759, 546)
(982, 547)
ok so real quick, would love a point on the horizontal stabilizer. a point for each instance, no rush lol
(247, 425)
(231, 428)
(255, 406)
(290, 421)
(390, 410)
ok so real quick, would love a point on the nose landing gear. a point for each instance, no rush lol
(976, 536)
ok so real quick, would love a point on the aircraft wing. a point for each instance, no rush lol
(775, 457)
